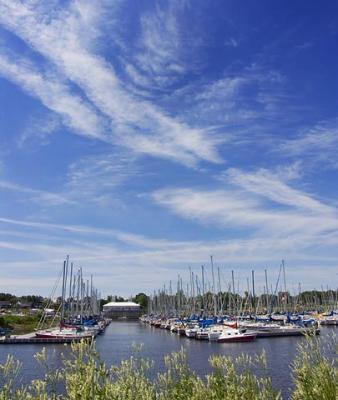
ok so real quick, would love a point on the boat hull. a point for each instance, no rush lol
(237, 338)
(69, 337)
(202, 336)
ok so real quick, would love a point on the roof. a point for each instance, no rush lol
(121, 304)
(24, 304)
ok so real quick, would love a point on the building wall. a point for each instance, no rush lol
(121, 312)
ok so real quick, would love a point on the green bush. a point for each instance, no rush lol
(85, 377)
(315, 371)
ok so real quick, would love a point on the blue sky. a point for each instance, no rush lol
(141, 137)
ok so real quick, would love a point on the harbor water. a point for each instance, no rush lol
(116, 344)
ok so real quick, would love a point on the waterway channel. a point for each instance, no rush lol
(116, 344)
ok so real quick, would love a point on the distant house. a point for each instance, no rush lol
(34, 311)
(24, 306)
(49, 312)
(122, 310)
(5, 304)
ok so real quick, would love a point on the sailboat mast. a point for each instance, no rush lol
(203, 289)
(70, 291)
(65, 287)
(81, 294)
(78, 293)
(253, 289)
(233, 291)
(219, 290)
(92, 307)
(63, 292)
(213, 286)
(285, 292)
(267, 290)
(193, 292)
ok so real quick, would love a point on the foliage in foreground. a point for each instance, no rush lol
(315, 375)
(85, 377)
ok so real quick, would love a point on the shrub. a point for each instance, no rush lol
(315, 371)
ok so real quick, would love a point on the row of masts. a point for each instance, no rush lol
(201, 296)
(79, 297)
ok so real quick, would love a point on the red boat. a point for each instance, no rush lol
(231, 324)
(235, 335)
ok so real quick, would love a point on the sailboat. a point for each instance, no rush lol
(63, 331)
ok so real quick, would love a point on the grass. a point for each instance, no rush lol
(21, 324)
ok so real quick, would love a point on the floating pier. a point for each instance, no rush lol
(282, 333)
(35, 340)
(30, 338)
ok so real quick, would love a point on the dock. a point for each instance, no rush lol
(282, 333)
(32, 339)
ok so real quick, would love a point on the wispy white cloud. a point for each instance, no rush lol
(53, 94)
(40, 128)
(229, 208)
(261, 202)
(160, 44)
(224, 88)
(125, 237)
(270, 186)
(96, 178)
(318, 144)
(137, 124)
(90, 180)
(305, 45)
(41, 197)
(244, 103)
(143, 255)
(231, 42)
(137, 77)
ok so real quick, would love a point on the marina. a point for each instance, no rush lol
(223, 330)
(209, 307)
(115, 345)
(202, 320)
(200, 309)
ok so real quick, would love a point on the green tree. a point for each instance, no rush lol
(141, 299)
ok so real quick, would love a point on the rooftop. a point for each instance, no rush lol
(121, 304)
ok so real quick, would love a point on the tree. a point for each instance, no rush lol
(141, 299)
(8, 297)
